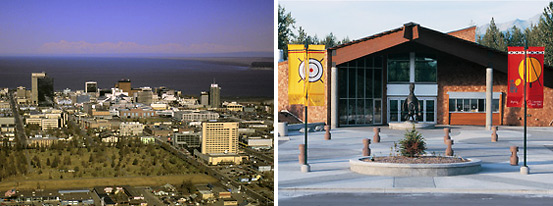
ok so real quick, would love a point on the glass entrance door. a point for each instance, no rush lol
(397, 114)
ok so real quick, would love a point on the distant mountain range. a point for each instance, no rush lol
(521, 24)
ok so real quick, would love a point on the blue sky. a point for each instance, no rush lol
(135, 27)
(357, 19)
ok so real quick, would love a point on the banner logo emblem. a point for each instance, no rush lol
(315, 70)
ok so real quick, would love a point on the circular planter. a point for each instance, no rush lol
(428, 170)
(409, 125)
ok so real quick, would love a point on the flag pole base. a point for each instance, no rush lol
(524, 170)
(305, 168)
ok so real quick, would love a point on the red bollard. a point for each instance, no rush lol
(494, 134)
(446, 136)
(301, 157)
(327, 134)
(449, 150)
(366, 149)
(376, 137)
(514, 157)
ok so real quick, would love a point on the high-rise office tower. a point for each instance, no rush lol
(125, 85)
(204, 98)
(215, 96)
(90, 87)
(42, 89)
(219, 137)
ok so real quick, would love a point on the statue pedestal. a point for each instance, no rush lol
(409, 125)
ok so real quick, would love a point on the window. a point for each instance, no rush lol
(398, 68)
(359, 88)
(472, 105)
(425, 68)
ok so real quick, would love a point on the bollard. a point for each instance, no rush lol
(366, 148)
(376, 137)
(514, 157)
(301, 157)
(446, 136)
(449, 150)
(327, 134)
(494, 134)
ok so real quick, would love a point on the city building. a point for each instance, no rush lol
(42, 89)
(233, 106)
(125, 85)
(131, 128)
(219, 137)
(188, 139)
(7, 125)
(204, 98)
(195, 115)
(144, 96)
(368, 79)
(90, 87)
(260, 143)
(215, 96)
(136, 113)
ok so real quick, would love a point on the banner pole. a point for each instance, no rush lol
(525, 100)
(306, 82)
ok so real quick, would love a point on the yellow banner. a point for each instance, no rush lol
(297, 86)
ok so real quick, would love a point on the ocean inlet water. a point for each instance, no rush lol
(190, 75)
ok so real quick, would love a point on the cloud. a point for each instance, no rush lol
(83, 47)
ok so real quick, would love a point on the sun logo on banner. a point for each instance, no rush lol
(533, 69)
(315, 70)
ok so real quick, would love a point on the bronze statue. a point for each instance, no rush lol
(411, 105)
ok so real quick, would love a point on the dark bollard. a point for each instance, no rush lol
(494, 134)
(514, 157)
(327, 134)
(449, 150)
(366, 148)
(301, 157)
(446, 136)
(376, 137)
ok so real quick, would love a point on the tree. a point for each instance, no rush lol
(515, 37)
(329, 41)
(285, 25)
(546, 33)
(493, 38)
(412, 144)
(301, 37)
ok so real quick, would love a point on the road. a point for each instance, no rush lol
(376, 199)
(21, 136)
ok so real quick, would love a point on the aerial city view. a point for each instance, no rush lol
(136, 103)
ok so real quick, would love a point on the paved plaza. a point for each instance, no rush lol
(330, 173)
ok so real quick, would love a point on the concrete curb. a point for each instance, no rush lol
(427, 170)
(423, 190)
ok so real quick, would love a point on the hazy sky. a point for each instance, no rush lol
(123, 27)
(357, 19)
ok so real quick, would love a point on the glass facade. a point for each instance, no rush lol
(360, 91)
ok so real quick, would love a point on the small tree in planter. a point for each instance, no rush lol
(413, 144)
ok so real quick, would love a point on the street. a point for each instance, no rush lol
(399, 199)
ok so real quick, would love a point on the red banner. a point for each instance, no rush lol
(534, 77)
(534, 86)
(515, 92)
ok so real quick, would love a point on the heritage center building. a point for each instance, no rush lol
(369, 79)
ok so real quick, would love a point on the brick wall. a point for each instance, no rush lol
(455, 75)
(316, 113)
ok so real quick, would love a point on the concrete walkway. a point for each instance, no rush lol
(330, 167)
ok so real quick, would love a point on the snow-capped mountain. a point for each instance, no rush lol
(521, 24)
